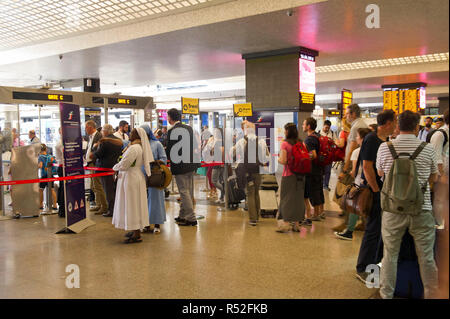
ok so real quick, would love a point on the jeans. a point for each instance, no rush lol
(217, 179)
(371, 249)
(421, 228)
(185, 183)
(326, 175)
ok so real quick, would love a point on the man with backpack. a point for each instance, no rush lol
(371, 245)
(427, 129)
(252, 153)
(314, 181)
(408, 166)
(439, 138)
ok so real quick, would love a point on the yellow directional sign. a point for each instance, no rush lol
(245, 109)
(190, 106)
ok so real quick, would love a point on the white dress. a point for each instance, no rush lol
(130, 208)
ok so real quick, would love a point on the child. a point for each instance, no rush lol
(45, 161)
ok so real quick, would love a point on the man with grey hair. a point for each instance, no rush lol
(33, 138)
(96, 186)
(106, 155)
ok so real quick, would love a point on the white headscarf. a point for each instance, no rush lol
(146, 150)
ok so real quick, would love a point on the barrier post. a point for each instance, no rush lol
(48, 205)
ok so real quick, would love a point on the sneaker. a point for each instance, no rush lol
(347, 235)
(253, 222)
(307, 222)
(179, 219)
(156, 230)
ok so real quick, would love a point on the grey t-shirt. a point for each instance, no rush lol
(356, 124)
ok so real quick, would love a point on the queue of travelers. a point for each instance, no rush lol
(370, 155)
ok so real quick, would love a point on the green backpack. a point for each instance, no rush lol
(401, 192)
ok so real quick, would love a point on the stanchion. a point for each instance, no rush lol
(48, 210)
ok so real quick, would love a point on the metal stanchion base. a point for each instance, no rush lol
(51, 212)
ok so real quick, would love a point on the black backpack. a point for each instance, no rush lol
(428, 140)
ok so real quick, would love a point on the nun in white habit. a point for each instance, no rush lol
(130, 208)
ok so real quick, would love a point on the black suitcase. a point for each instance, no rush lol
(235, 194)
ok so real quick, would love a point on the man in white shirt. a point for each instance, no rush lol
(440, 142)
(252, 179)
(122, 133)
(96, 186)
(326, 131)
(33, 138)
(353, 116)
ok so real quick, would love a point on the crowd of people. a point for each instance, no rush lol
(371, 158)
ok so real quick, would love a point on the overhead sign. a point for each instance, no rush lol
(334, 113)
(402, 97)
(190, 106)
(112, 101)
(41, 96)
(243, 109)
(346, 100)
(307, 82)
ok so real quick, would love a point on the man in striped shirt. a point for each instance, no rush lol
(422, 226)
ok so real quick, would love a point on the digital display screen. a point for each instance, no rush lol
(307, 82)
(402, 99)
(117, 101)
(42, 96)
(346, 100)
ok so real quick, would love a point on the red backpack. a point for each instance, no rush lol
(299, 163)
(326, 152)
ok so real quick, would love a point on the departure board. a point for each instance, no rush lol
(117, 101)
(346, 100)
(33, 96)
(404, 97)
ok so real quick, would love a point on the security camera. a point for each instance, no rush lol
(289, 13)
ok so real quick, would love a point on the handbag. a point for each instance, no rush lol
(160, 175)
(357, 200)
(341, 188)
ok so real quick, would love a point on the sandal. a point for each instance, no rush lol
(132, 240)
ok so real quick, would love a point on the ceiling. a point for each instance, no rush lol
(27, 22)
(336, 28)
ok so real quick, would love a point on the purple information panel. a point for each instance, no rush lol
(73, 162)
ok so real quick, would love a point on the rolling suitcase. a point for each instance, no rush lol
(268, 195)
(409, 283)
(235, 194)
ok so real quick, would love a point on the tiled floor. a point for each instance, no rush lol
(223, 257)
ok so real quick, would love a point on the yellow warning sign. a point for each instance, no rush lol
(190, 106)
(244, 109)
